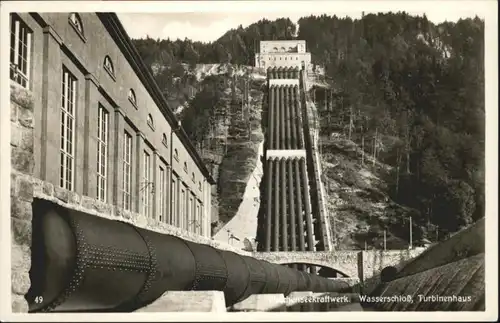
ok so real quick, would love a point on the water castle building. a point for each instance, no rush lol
(283, 53)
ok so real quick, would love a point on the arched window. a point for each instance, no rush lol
(108, 66)
(76, 22)
(164, 140)
(185, 167)
(193, 178)
(150, 121)
(199, 185)
(132, 98)
(176, 154)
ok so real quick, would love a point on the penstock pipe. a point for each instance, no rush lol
(86, 263)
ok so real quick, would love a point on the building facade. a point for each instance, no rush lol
(283, 53)
(102, 128)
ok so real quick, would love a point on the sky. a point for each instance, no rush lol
(199, 24)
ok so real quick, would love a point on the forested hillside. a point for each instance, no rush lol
(408, 91)
(412, 93)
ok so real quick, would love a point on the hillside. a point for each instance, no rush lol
(220, 109)
(358, 200)
(404, 90)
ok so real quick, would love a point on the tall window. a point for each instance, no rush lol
(198, 219)
(20, 51)
(102, 152)
(191, 221)
(174, 214)
(161, 191)
(200, 216)
(127, 170)
(145, 185)
(67, 149)
(182, 209)
(191, 215)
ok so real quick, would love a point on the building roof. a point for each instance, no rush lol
(116, 30)
(284, 41)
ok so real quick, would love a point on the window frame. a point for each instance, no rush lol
(102, 153)
(161, 193)
(67, 117)
(110, 70)
(127, 170)
(132, 98)
(79, 31)
(150, 122)
(164, 140)
(144, 186)
(173, 200)
(16, 73)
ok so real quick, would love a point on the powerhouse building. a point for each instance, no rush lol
(101, 126)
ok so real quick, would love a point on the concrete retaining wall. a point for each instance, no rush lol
(465, 243)
(456, 286)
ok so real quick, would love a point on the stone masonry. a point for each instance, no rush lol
(21, 193)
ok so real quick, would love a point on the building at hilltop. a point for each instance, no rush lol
(283, 53)
(92, 132)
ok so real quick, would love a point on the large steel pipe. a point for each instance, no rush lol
(276, 216)
(287, 118)
(299, 121)
(269, 204)
(293, 122)
(284, 213)
(307, 205)
(291, 206)
(282, 118)
(270, 124)
(298, 200)
(83, 262)
(278, 117)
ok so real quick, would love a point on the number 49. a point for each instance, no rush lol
(39, 299)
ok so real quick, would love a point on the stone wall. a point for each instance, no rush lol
(21, 193)
(71, 200)
(362, 265)
(373, 261)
